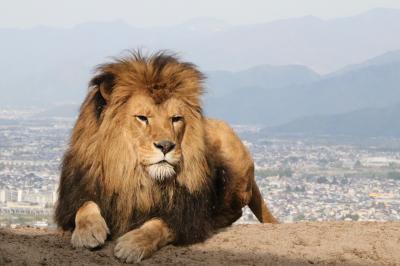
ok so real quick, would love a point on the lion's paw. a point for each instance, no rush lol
(90, 232)
(135, 246)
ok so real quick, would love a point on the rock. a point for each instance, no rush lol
(307, 243)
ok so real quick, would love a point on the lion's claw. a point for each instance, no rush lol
(90, 233)
(134, 246)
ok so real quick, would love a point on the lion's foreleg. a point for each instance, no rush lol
(90, 227)
(141, 243)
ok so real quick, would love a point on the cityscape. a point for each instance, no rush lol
(301, 178)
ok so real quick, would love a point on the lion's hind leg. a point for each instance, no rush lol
(90, 227)
(236, 182)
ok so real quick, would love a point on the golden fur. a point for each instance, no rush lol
(113, 160)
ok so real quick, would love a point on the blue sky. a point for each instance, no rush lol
(149, 13)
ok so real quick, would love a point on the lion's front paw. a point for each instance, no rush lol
(90, 232)
(135, 246)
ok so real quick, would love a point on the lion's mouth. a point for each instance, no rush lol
(161, 170)
(161, 162)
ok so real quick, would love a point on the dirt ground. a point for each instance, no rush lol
(325, 243)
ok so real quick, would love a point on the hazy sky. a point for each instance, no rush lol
(146, 13)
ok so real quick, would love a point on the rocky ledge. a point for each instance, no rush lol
(307, 243)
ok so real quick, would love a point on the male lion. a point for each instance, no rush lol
(146, 166)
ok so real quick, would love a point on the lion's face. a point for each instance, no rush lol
(142, 121)
(157, 131)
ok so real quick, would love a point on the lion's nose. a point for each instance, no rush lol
(165, 146)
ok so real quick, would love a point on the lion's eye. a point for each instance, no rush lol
(142, 118)
(176, 118)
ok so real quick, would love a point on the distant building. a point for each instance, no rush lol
(19, 195)
(2, 196)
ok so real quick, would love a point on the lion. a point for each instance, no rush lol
(146, 167)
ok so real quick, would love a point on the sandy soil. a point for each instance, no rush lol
(333, 243)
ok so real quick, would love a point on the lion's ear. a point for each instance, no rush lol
(105, 83)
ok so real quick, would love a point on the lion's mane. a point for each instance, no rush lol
(100, 165)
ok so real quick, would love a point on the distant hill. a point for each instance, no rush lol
(386, 58)
(45, 65)
(374, 86)
(371, 122)
(221, 83)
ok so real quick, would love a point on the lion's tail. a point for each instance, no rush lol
(259, 207)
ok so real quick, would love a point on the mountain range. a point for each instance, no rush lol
(270, 74)
(371, 84)
(369, 122)
(323, 45)
(362, 100)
